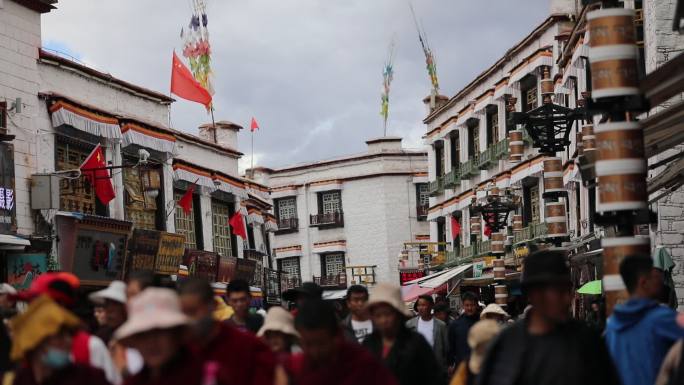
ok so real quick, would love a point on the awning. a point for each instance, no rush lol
(254, 216)
(543, 58)
(425, 278)
(144, 137)
(8, 239)
(63, 113)
(270, 223)
(334, 294)
(230, 186)
(330, 247)
(411, 292)
(443, 278)
(193, 175)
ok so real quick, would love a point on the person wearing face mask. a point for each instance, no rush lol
(240, 357)
(42, 343)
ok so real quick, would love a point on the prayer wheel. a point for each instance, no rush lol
(588, 138)
(516, 146)
(475, 226)
(499, 269)
(498, 243)
(494, 191)
(614, 251)
(579, 144)
(622, 185)
(547, 87)
(517, 222)
(501, 295)
(614, 71)
(553, 175)
(556, 221)
(619, 140)
(611, 26)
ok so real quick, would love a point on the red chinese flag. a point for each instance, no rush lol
(238, 225)
(94, 171)
(184, 85)
(487, 231)
(186, 200)
(455, 227)
(254, 125)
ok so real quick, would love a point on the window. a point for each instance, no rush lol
(592, 207)
(507, 116)
(439, 158)
(423, 194)
(75, 195)
(220, 215)
(290, 266)
(250, 236)
(455, 149)
(185, 223)
(528, 91)
(531, 202)
(473, 138)
(333, 264)
(3, 116)
(441, 235)
(492, 125)
(331, 202)
(140, 207)
(287, 208)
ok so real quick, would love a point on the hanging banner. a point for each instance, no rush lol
(226, 268)
(170, 254)
(23, 269)
(143, 250)
(203, 264)
(8, 209)
(410, 275)
(245, 269)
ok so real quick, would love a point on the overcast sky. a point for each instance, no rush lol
(310, 71)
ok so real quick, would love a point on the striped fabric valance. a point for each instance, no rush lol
(231, 186)
(193, 175)
(144, 137)
(254, 216)
(63, 113)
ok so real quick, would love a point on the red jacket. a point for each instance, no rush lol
(241, 358)
(184, 369)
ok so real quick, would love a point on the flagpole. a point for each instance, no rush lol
(252, 168)
(213, 124)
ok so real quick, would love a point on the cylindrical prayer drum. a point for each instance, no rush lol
(621, 185)
(579, 144)
(499, 269)
(547, 87)
(498, 243)
(517, 222)
(614, 251)
(516, 146)
(619, 140)
(614, 71)
(553, 175)
(588, 138)
(494, 191)
(554, 210)
(501, 295)
(611, 26)
(475, 226)
(556, 227)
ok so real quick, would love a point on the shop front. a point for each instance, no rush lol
(157, 251)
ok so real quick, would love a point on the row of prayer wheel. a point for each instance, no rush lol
(554, 212)
(620, 159)
(500, 290)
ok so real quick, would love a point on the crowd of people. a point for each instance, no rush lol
(147, 332)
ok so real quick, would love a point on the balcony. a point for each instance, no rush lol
(422, 211)
(469, 168)
(483, 248)
(467, 252)
(332, 282)
(452, 179)
(452, 256)
(486, 158)
(436, 187)
(501, 149)
(539, 230)
(335, 219)
(254, 255)
(288, 282)
(288, 225)
(530, 233)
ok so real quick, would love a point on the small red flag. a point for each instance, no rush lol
(94, 171)
(186, 200)
(487, 231)
(254, 126)
(238, 225)
(455, 227)
(184, 85)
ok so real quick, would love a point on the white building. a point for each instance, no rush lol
(355, 211)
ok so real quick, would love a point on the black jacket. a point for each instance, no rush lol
(584, 358)
(411, 358)
(458, 339)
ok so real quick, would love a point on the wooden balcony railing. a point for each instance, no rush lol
(288, 225)
(335, 219)
(453, 178)
(288, 282)
(338, 281)
(253, 254)
(436, 187)
(486, 158)
(501, 149)
(469, 168)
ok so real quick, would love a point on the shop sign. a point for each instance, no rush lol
(245, 269)
(203, 264)
(8, 209)
(521, 252)
(98, 255)
(478, 267)
(410, 275)
(170, 255)
(272, 289)
(226, 268)
(23, 269)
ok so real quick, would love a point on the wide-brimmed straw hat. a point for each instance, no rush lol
(42, 318)
(481, 333)
(116, 291)
(154, 308)
(493, 308)
(389, 294)
(278, 320)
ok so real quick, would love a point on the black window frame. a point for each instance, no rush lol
(455, 148)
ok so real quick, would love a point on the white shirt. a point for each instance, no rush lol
(426, 328)
(362, 329)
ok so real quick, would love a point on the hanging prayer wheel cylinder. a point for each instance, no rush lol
(621, 185)
(501, 295)
(499, 269)
(614, 71)
(553, 175)
(579, 144)
(494, 191)
(588, 138)
(498, 243)
(611, 26)
(547, 87)
(619, 140)
(556, 221)
(554, 210)
(475, 226)
(517, 222)
(614, 251)
(516, 146)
